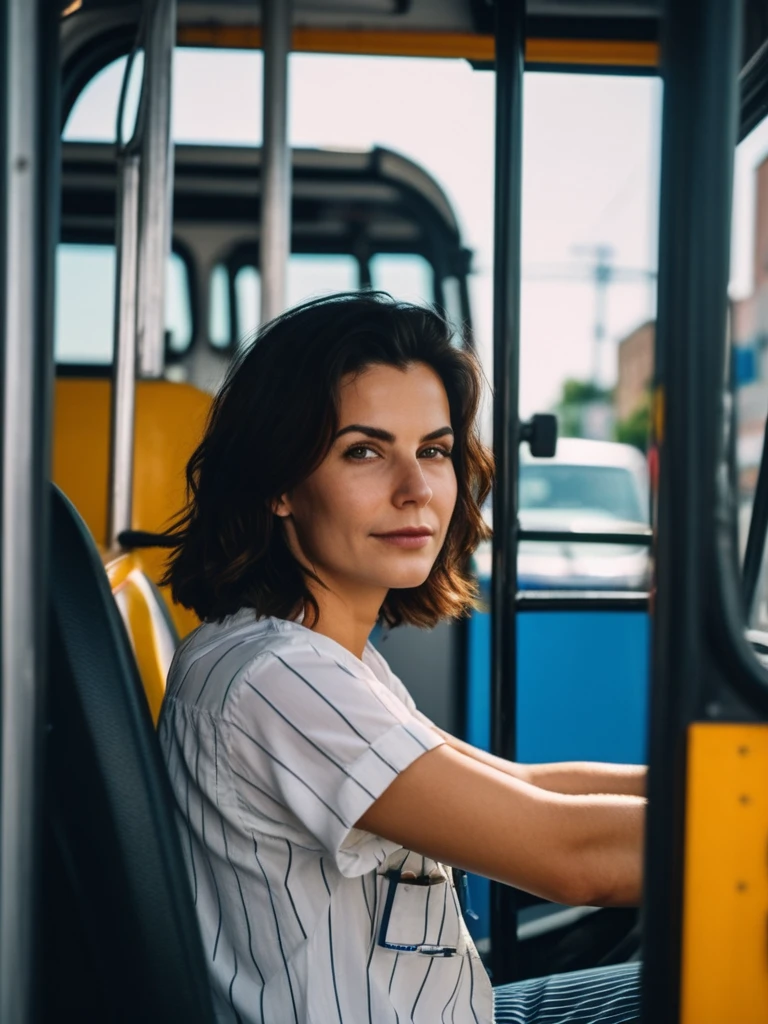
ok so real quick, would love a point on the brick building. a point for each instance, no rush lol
(635, 369)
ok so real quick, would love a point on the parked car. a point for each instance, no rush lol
(589, 486)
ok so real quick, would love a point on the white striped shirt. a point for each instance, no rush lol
(277, 740)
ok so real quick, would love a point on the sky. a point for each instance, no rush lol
(590, 176)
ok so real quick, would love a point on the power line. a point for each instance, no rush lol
(602, 272)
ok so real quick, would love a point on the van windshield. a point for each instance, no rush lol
(602, 490)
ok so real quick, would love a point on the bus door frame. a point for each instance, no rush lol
(703, 670)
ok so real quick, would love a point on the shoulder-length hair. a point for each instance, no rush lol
(272, 424)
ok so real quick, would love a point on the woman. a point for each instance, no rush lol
(338, 485)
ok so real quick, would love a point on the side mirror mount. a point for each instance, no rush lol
(540, 431)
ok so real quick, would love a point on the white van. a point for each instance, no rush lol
(589, 486)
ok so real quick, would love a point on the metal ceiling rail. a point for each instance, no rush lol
(275, 239)
(510, 51)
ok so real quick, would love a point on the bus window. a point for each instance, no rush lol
(748, 293)
(205, 114)
(330, 109)
(248, 299)
(452, 299)
(85, 304)
(590, 181)
(309, 276)
(406, 276)
(313, 274)
(219, 314)
(749, 314)
(178, 309)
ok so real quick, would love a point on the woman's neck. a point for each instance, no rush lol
(347, 619)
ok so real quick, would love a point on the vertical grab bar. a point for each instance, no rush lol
(275, 234)
(27, 227)
(156, 186)
(144, 218)
(510, 59)
(123, 399)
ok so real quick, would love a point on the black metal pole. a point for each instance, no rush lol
(510, 58)
(700, 66)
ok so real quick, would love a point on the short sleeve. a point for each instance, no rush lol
(394, 683)
(324, 742)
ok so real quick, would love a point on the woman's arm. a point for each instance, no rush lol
(580, 850)
(574, 777)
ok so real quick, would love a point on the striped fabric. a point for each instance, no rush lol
(606, 995)
(277, 740)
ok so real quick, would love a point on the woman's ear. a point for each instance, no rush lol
(281, 507)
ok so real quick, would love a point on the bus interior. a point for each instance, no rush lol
(622, 612)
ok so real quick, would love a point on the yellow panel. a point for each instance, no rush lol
(374, 42)
(725, 913)
(169, 423)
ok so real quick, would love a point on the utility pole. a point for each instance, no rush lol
(603, 271)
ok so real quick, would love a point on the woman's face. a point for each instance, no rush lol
(374, 515)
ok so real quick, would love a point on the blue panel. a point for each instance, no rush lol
(479, 681)
(745, 365)
(582, 686)
(582, 694)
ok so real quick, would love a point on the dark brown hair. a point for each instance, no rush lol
(273, 423)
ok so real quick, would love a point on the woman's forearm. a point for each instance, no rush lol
(577, 778)
(585, 777)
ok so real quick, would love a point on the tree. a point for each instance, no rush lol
(576, 397)
(636, 428)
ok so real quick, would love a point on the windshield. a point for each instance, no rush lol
(602, 490)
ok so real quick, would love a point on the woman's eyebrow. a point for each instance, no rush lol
(440, 432)
(384, 435)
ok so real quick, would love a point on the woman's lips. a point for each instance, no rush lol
(405, 539)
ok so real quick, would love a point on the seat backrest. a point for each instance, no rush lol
(170, 418)
(120, 935)
(149, 625)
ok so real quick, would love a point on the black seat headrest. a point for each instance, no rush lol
(119, 917)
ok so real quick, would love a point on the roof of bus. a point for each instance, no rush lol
(560, 33)
(410, 15)
(601, 34)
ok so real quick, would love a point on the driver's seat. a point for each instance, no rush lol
(120, 935)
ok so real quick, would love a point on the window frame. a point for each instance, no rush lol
(97, 236)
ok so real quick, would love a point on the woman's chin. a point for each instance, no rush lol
(408, 579)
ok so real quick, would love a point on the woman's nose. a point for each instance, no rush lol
(412, 486)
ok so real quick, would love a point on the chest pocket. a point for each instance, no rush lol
(418, 908)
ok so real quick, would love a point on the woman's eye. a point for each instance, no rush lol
(361, 453)
(436, 452)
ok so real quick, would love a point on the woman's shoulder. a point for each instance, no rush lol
(219, 659)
